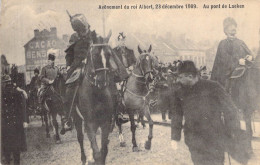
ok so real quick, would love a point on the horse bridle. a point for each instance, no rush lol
(92, 63)
(142, 72)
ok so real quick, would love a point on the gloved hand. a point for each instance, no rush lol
(25, 125)
(51, 81)
(249, 58)
(242, 61)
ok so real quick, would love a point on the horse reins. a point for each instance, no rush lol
(91, 59)
(140, 76)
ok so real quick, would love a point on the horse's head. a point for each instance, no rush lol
(145, 63)
(99, 60)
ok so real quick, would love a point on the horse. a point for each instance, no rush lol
(52, 106)
(136, 94)
(93, 103)
(244, 89)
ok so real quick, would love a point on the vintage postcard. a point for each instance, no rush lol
(130, 82)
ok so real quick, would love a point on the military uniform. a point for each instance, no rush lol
(77, 52)
(125, 55)
(13, 117)
(48, 73)
(210, 118)
(229, 52)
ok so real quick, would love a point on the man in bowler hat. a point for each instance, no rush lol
(210, 116)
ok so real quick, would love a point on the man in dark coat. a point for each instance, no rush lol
(13, 121)
(210, 116)
(230, 53)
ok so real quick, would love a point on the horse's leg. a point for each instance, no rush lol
(148, 143)
(142, 121)
(56, 127)
(50, 120)
(247, 118)
(133, 128)
(80, 136)
(120, 136)
(45, 117)
(91, 128)
(104, 143)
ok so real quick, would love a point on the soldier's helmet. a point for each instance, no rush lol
(52, 53)
(78, 22)
(228, 22)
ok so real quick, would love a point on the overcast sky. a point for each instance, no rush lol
(19, 19)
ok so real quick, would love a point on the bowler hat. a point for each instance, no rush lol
(187, 67)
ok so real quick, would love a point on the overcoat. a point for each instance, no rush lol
(210, 115)
(13, 116)
(229, 52)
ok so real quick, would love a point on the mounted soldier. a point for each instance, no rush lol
(128, 59)
(231, 53)
(81, 43)
(76, 53)
(48, 74)
(229, 68)
(125, 54)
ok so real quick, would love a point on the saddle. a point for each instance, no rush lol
(238, 72)
(77, 73)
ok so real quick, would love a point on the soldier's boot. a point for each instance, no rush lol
(66, 120)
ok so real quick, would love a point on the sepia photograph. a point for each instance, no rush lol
(130, 82)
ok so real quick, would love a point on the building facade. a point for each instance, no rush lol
(36, 50)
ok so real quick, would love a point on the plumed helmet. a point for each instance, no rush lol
(187, 67)
(51, 57)
(52, 53)
(229, 21)
(78, 22)
(121, 36)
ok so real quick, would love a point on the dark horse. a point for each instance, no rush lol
(53, 104)
(136, 94)
(94, 102)
(245, 91)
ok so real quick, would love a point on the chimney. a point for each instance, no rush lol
(36, 33)
(54, 31)
(65, 38)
